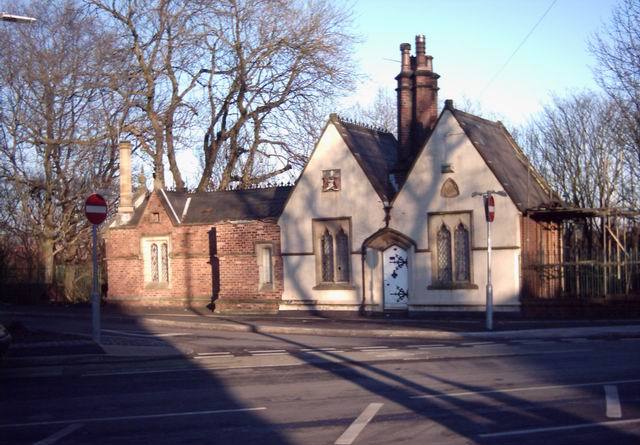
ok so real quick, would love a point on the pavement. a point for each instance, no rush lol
(46, 347)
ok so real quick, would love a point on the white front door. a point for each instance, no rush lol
(396, 278)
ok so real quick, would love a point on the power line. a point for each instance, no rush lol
(495, 76)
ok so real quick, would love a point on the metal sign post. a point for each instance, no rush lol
(95, 209)
(489, 208)
(95, 294)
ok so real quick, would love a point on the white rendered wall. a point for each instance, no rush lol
(420, 196)
(356, 200)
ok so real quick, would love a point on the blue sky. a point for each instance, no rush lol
(471, 39)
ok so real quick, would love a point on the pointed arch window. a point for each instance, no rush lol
(450, 243)
(327, 256)
(156, 260)
(461, 242)
(445, 268)
(333, 252)
(342, 256)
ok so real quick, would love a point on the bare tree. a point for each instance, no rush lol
(575, 142)
(617, 69)
(382, 112)
(245, 72)
(57, 125)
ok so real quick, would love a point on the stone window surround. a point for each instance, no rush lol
(317, 229)
(145, 249)
(451, 220)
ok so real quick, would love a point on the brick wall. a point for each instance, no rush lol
(207, 263)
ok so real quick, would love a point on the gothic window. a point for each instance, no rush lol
(450, 241)
(333, 253)
(444, 255)
(327, 256)
(156, 260)
(342, 256)
(461, 242)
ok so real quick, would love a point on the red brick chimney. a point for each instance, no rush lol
(417, 100)
(405, 103)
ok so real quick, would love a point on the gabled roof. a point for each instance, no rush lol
(374, 149)
(524, 185)
(218, 206)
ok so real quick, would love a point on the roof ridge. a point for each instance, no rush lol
(354, 123)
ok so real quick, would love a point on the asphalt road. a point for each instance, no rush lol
(265, 389)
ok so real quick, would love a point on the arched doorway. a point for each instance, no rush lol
(388, 280)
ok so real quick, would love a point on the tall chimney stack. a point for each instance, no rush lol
(405, 104)
(425, 96)
(125, 209)
(417, 101)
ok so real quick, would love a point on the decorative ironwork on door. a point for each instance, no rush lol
(396, 278)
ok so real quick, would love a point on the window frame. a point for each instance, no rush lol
(260, 248)
(146, 244)
(451, 220)
(333, 226)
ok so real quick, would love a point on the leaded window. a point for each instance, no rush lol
(327, 256)
(155, 276)
(444, 271)
(333, 251)
(461, 242)
(342, 256)
(156, 260)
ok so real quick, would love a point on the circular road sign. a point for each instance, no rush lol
(95, 208)
(490, 208)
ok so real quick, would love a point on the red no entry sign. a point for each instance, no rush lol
(95, 208)
(489, 208)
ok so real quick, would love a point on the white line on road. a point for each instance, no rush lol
(366, 348)
(139, 417)
(425, 346)
(560, 428)
(614, 411)
(266, 351)
(358, 425)
(134, 334)
(478, 343)
(213, 353)
(524, 388)
(60, 434)
(316, 349)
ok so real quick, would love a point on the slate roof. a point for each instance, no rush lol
(224, 205)
(524, 185)
(375, 150)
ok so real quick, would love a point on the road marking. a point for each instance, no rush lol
(437, 347)
(144, 416)
(358, 425)
(203, 354)
(614, 411)
(478, 343)
(530, 342)
(524, 388)
(373, 348)
(60, 434)
(560, 428)
(134, 334)
(266, 351)
(317, 349)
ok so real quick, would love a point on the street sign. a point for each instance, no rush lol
(95, 208)
(489, 208)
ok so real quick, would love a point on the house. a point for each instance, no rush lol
(373, 223)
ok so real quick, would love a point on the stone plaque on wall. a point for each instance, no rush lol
(330, 180)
